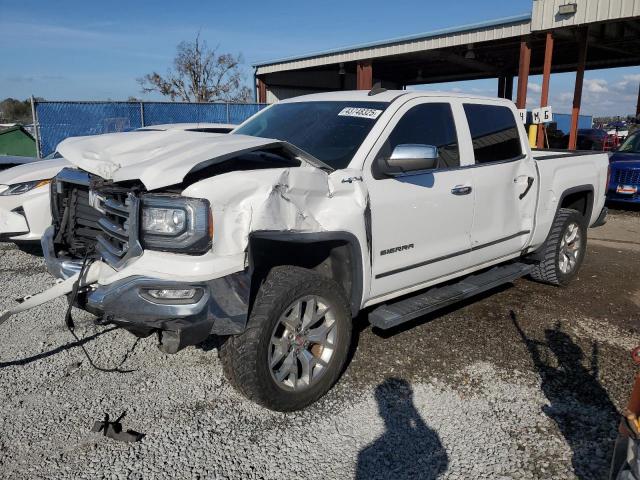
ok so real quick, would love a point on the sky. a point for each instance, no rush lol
(95, 50)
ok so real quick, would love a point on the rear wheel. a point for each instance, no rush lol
(296, 342)
(564, 250)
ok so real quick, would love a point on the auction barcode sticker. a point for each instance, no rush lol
(360, 112)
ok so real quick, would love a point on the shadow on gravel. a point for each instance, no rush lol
(212, 342)
(62, 348)
(32, 248)
(579, 404)
(408, 449)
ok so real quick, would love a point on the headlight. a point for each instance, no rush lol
(24, 187)
(164, 221)
(176, 224)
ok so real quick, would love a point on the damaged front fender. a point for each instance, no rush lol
(291, 200)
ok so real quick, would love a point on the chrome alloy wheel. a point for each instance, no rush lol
(570, 247)
(302, 343)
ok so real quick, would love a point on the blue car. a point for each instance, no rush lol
(624, 182)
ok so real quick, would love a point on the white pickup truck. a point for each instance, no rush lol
(275, 236)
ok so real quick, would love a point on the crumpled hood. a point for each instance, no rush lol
(30, 172)
(157, 158)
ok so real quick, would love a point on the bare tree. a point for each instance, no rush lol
(200, 75)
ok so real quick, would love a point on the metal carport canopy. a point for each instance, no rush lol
(478, 32)
(489, 49)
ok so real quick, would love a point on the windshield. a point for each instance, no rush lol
(631, 144)
(330, 131)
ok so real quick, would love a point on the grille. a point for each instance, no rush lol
(627, 177)
(76, 222)
(116, 225)
(103, 221)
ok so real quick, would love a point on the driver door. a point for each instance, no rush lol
(421, 220)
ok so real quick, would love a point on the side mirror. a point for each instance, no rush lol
(413, 157)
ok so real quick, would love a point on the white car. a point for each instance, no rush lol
(10, 161)
(275, 236)
(24, 189)
(24, 200)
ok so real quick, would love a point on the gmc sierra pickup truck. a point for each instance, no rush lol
(393, 203)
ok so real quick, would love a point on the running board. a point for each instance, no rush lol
(391, 314)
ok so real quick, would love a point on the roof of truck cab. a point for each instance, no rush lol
(385, 96)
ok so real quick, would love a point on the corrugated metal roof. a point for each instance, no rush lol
(545, 12)
(482, 31)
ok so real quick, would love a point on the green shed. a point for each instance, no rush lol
(17, 141)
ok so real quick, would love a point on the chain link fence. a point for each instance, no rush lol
(55, 121)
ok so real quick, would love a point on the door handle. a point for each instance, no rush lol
(526, 190)
(461, 190)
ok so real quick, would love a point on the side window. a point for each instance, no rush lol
(494, 132)
(427, 124)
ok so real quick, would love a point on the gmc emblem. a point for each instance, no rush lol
(96, 201)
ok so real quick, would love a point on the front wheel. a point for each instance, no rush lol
(296, 342)
(564, 249)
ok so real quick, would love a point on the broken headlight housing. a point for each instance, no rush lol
(176, 224)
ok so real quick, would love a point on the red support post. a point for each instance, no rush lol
(364, 75)
(546, 76)
(523, 73)
(577, 93)
(262, 91)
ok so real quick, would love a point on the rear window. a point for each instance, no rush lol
(494, 132)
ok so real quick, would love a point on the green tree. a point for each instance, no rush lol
(15, 111)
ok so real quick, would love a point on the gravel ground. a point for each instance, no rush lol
(524, 382)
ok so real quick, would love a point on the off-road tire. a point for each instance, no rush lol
(548, 270)
(244, 357)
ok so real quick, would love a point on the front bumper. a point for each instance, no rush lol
(12, 224)
(24, 217)
(221, 306)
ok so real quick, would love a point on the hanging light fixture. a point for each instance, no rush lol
(341, 71)
(568, 9)
(470, 54)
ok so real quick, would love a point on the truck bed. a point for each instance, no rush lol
(563, 172)
(549, 154)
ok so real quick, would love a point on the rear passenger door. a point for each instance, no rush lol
(420, 222)
(504, 181)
